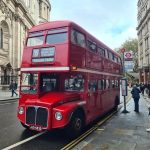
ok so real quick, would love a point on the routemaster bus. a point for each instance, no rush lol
(68, 78)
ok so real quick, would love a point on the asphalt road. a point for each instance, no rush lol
(14, 135)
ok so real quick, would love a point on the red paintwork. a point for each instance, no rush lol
(94, 104)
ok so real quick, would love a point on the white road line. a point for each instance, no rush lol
(100, 129)
(7, 103)
(24, 141)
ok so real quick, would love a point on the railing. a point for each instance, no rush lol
(6, 80)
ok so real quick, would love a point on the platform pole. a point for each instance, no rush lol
(125, 110)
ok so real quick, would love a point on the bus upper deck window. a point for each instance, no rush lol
(56, 38)
(34, 41)
(36, 38)
(78, 38)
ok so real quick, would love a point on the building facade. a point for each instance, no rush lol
(16, 17)
(143, 29)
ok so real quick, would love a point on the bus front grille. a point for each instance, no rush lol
(36, 116)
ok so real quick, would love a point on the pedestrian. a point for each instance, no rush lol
(142, 88)
(13, 87)
(136, 96)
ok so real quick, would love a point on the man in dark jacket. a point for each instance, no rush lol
(13, 87)
(136, 96)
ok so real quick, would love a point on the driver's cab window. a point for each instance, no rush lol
(48, 82)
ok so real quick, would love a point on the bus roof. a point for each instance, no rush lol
(49, 25)
(66, 23)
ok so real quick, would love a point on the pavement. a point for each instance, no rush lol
(124, 131)
(5, 95)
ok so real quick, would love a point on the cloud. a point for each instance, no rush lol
(111, 21)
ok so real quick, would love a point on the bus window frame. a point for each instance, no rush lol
(75, 76)
(66, 39)
(37, 86)
(35, 37)
(51, 74)
(29, 36)
(66, 31)
(76, 42)
(88, 48)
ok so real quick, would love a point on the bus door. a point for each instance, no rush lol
(92, 98)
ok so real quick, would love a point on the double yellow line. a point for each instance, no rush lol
(84, 135)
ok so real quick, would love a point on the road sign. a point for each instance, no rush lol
(128, 55)
(122, 50)
(124, 87)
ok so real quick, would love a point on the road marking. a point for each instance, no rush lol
(24, 141)
(100, 129)
(7, 103)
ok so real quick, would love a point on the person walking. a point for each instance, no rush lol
(136, 96)
(13, 87)
(142, 88)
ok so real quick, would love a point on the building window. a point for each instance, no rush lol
(147, 43)
(141, 48)
(1, 38)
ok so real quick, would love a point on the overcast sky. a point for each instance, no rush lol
(111, 21)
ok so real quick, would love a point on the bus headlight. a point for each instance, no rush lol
(21, 110)
(58, 115)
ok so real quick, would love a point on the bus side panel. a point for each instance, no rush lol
(77, 56)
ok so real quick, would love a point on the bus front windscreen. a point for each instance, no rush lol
(29, 83)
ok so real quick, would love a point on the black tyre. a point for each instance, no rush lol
(75, 126)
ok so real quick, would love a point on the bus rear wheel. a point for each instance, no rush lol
(75, 126)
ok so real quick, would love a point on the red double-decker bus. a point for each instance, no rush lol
(68, 78)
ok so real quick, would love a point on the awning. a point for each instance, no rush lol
(134, 75)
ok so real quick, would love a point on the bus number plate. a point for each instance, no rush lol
(37, 128)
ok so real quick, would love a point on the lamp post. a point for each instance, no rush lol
(122, 51)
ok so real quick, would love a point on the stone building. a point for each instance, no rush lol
(16, 17)
(143, 29)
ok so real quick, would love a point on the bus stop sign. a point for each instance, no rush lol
(124, 87)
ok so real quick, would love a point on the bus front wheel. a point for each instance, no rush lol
(75, 126)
